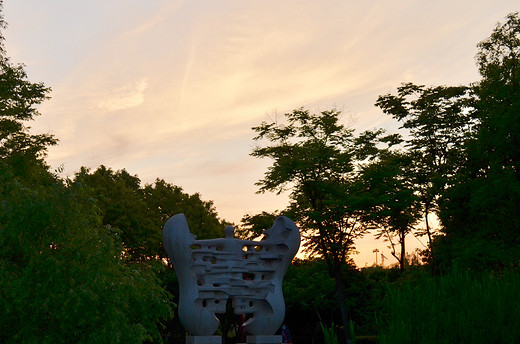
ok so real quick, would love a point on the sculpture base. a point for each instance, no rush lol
(203, 340)
(264, 339)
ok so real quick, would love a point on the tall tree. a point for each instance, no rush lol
(19, 97)
(63, 276)
(165, 200)
(388, 193)
(437, 122)
(118, 197)
(498, 102)
(139, 213)
(313, 157)
(481, 212)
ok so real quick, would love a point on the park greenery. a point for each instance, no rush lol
(81, 258)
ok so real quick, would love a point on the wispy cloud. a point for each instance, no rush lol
(124, 97)
(170, 89)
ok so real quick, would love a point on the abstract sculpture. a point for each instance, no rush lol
(250, 273)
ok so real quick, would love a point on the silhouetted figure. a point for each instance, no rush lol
(286, 335)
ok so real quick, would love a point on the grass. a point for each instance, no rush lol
(455, 308)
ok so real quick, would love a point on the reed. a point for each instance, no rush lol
(329, 333)
(455, 308)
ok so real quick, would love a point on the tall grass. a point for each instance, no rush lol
(454, 308)
(329, 333)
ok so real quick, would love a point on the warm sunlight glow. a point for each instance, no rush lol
(171, 89)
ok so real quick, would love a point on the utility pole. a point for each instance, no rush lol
(382, 259)
(376, 251)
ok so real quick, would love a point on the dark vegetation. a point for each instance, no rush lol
(81, 259)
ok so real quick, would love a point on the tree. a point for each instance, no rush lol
(481, 211)
(165, 200)
(139, 213)
(309, 292)
(19, 97)
(118, 197)
(253, 225)
(388, 194)
(314, 157)
(64, 278)
(438, 121)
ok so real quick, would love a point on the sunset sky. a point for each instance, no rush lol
(171, 89)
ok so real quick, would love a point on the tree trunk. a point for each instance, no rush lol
(335, 271)
(334, 267)
(402, 237)
(428, 231)
(345, 314)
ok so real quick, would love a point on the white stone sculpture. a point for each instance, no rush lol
(250, 273)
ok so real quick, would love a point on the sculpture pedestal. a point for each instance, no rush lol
(203, 340)
(264, 339)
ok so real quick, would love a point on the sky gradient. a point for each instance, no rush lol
(171, 89)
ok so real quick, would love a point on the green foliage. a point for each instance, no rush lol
(117, 195)
(139, 213)
(454, 308)
(23, 151)
(308, 287)
(329, 333)
(252, 226)
(387, 191)
(351, 328)
(309, 290)
(498, 57)
(436, 121)
(165, 200)
(314, 156)
(330, 336)
(63, 276)
(481, 210)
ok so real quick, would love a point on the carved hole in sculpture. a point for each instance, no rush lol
(217, 301)
(245, 248)
(195, 247)
(200, 280)
(266, 249)
(216, 285)
(209, 259)
(258, 248)
(219, 248)
(250, 303)
(247, 276)
(204, 303)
